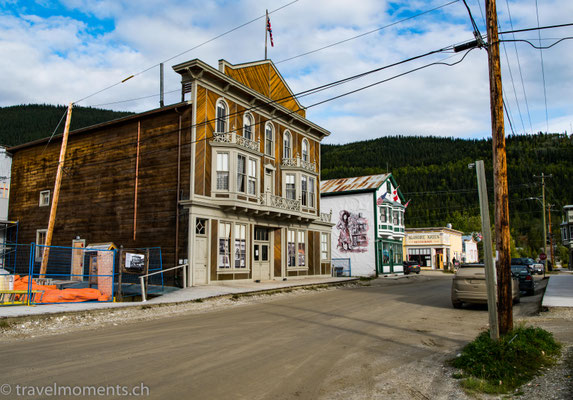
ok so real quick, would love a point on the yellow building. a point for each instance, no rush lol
(433, 248)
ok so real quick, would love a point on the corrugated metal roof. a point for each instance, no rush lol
(370, 182)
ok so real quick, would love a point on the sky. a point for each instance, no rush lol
(57, 52)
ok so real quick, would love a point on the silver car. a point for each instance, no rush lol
(468, 286)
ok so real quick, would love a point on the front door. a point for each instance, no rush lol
(200, 261)
(261, 255)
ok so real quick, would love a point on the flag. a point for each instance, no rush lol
(408, 202)
(395, 194)
(270, 31)
(381, 199)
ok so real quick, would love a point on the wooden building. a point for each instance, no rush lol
(228, 179)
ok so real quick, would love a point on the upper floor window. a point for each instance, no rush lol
(396, 218)
(222, 114)
(383, 214)
(252, 184)
(305, 149)
(44, 198)
(269, 139)
(290, 187)
(311, 191)
(248, 126)
(287, 145)
(241, 173)
(222, 171)
(388, 187)
(304, 189)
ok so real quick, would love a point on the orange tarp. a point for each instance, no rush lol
(54, 295)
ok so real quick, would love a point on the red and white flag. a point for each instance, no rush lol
(395, 194)
(270, 31)
(408, 202)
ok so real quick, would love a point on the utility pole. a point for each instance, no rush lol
(505, 301)
(550, 236)
(55, 198)
(543, 176)
(488, 252)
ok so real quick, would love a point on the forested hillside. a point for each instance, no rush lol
(25, 123)
(433, 172)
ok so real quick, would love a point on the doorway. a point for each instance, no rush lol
(262, 255)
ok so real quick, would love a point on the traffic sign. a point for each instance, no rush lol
(543, 256)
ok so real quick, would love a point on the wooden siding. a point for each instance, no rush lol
(278, 253)
(264, 79)
(214, 248)
(200, 144)
(98, 188)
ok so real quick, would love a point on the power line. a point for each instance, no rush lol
(542, 69)
(535, 29)
(366, 33)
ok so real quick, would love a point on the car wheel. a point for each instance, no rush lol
(456, 304)
(517, 300)
(417, 272)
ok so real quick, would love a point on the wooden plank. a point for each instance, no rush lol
(278, 253)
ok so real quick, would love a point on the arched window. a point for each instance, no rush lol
(248, 126)
(222, 115)
(269, 139)
(305, 149)
(287, 146)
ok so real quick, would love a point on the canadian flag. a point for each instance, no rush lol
(395, 196)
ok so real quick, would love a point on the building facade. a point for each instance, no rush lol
(567, 232)
(368, 213)
(433, 248)
(225, 181)
(469, 249)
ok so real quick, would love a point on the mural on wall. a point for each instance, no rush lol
(352, 237)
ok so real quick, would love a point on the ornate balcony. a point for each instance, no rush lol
(270, 200)
(233, 138)
(326, 217)
(299, 163)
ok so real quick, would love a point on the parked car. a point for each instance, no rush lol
(537, 267)
(468, 285)
(411, 266)
(524, 261)
(526, 281)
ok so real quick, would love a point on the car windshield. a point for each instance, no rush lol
(528, 261)
(518, 268)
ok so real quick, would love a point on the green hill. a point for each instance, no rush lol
(433, 172)
(25, 123)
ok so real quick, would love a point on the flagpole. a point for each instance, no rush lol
(266, 27)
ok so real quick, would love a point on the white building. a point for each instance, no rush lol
(5, 173)
(369, 215)
(469, 249)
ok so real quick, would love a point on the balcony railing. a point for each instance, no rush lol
(300, 163)
(326, 217)
(233, 138)
(270, 200)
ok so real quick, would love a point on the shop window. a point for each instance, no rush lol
(291, 249)
(224, 245)
(301, 239)
(240, 246)
(324, 245)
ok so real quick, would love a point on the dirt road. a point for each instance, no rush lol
(387, 340)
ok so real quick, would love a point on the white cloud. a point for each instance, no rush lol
(57, 59)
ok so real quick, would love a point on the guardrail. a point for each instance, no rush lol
(142, 279)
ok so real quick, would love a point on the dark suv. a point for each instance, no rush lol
(411, 266)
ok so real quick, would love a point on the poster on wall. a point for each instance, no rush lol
(135, 263)
(353, 229)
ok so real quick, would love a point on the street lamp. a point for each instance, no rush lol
(544, 228)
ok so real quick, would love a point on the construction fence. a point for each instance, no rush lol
(37, 274)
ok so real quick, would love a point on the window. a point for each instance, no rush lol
(311, 192)
(402, 218)
(291, 249)
(248, 127)
(221, 120)
(201, 226)
(388, 187)
(395, 221)
(252, 184)
(290, 187)
(241, 173)
(301, 249)
(222, 171)
(324, 242)
(269, 139)
(383, 214)
(305, 149)
(40, 242)
(44, 198)
(224, 245)
(287, 146)
(262, 234)
(240, 246)
(304, 189)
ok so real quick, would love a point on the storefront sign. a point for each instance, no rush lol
(425, 238)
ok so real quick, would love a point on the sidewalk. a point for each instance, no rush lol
(559, 292)
(178, 296)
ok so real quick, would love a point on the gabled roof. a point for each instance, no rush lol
(264, 77)
(354, 184)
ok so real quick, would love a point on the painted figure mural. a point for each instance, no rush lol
(352, 236)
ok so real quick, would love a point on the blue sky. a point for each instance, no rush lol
(62, 51)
